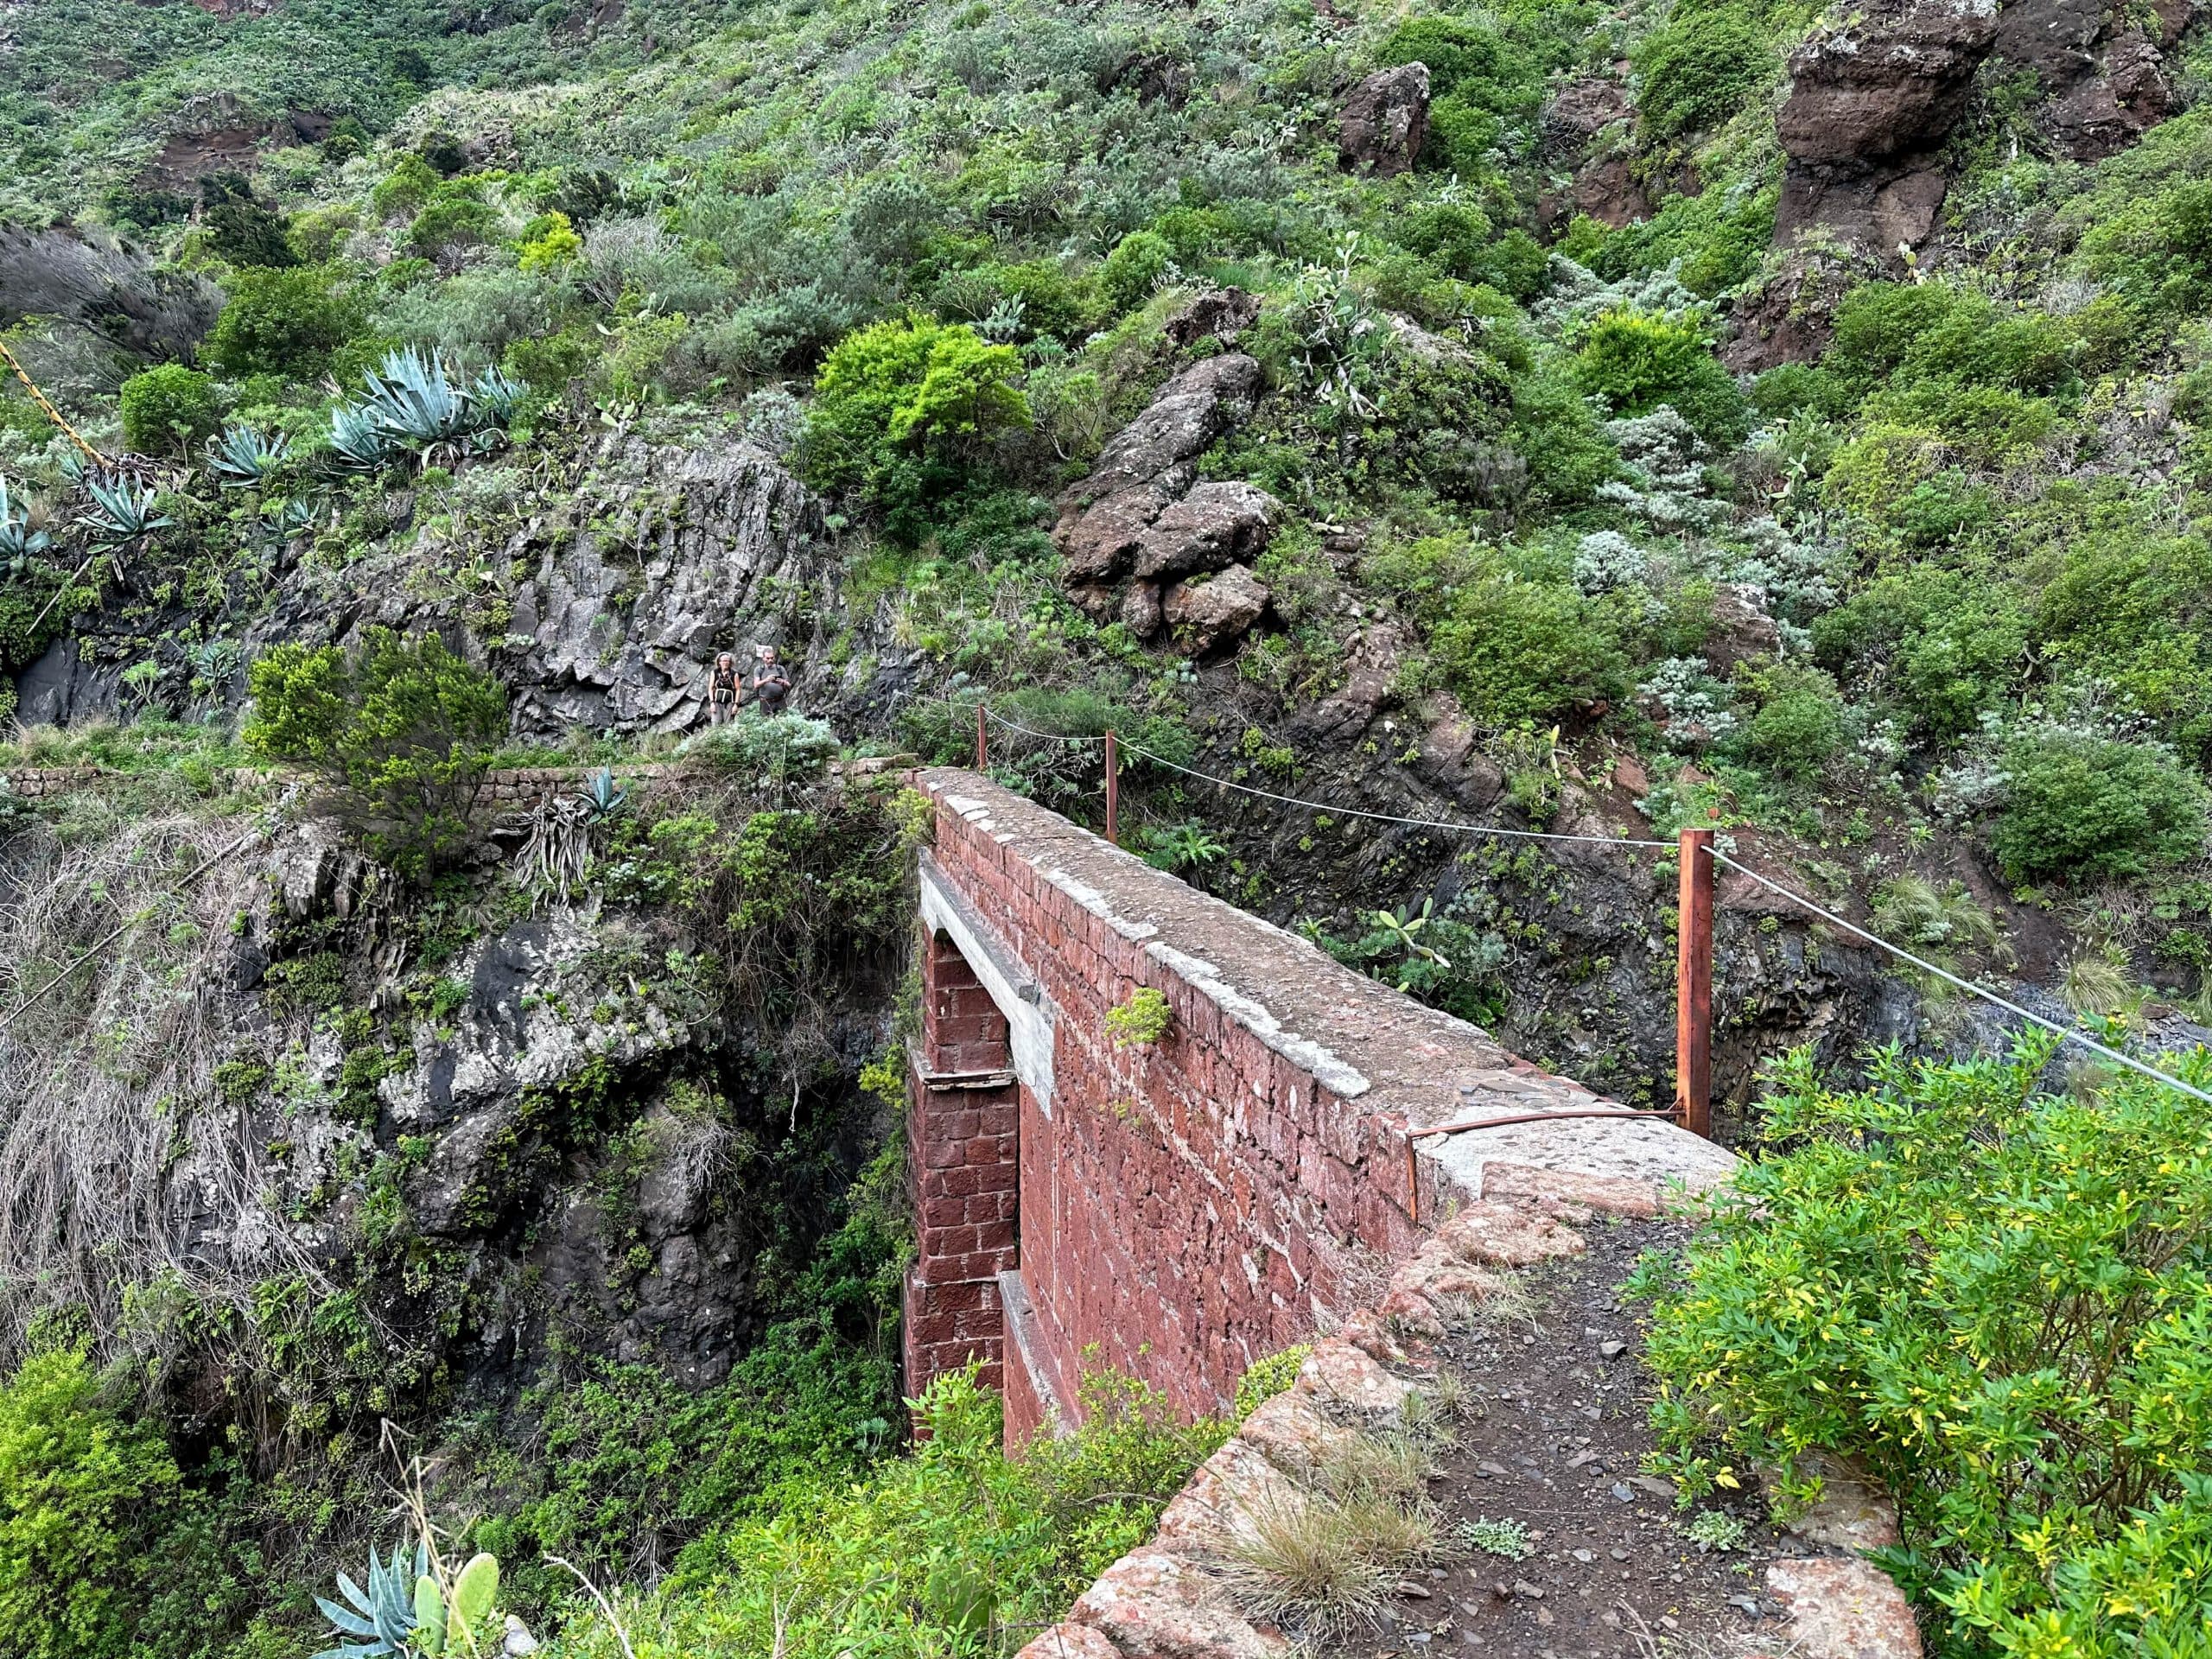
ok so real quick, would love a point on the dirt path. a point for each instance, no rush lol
(1554, 1447)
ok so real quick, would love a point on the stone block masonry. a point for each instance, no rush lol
(1179, 1208)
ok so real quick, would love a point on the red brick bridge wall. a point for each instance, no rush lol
(1180, 1210)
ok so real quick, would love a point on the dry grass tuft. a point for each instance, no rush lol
(1304, 1561)
(1318, 1560)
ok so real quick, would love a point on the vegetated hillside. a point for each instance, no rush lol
(1551, 416)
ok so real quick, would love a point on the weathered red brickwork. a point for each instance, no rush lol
(1178, 1209)
(962, 1135)
(1183, 1209)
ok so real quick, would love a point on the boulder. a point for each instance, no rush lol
(1742, 631)
(1216, 611)
(1843, 1609)
(1147, 465)
(1385, 120)
(1581, 110)
(1217, 314)
(1889, 80)
(1872, 99)
(1214, 527)
(1140, 612)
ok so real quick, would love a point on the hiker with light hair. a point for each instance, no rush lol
(725, 690)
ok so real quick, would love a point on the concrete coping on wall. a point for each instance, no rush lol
(1362, 1040)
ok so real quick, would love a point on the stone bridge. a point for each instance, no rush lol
(1178, 1209)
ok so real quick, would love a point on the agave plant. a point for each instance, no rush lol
(289, 515)
(405, 1614)
(494, 398)
(216, 661)
(122, 511)
(19, 543)
(602, 795)
(245, 457)
(415, 400)
(357, 439)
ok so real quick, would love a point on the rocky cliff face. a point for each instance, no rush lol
(600, 590)
(503, 1137)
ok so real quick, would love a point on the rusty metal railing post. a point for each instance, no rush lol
(983, 743)
(1113, 788)
(1693, 986)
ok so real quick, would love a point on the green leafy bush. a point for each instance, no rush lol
(771, 747)
(283, 322)
(1798, 721)
(1482, 88)
(899, 407)
(166, 411)
(1133, 268)
(2000, 1304)
(1514, 648)
(2079, 806)
(1636, 363)
(239, 226)
(955, 1550)
(83, 1493)
(402, 731)
(1699, 68)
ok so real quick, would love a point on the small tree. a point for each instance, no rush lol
(166, 411)
(402, 730)
(282, 322)
(900, 407)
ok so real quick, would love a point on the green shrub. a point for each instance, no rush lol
(1798, 721)
(1715, 241)
(401, 730)
(956, 1549)
(83, 1494)
(901, 406)
(2154, 247)
(1480, 85)
(1133, 268)
(455, 216)
(2000, 1304)
(1636, 363)
(769, 747)
(411, 182)
(240, 228)
(548, 242)
(1513, 648)
(167, 410)
(1698, 70)
(286, 322)
(1799, 389)
(2080, 807)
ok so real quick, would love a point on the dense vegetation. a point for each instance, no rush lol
(1995, 1300)
(1937, 592)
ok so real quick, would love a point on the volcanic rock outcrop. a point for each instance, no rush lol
(1385, 121)
(1142, 515)
(1872, 99)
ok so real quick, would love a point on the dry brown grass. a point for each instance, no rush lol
(1318, 1558)
(118, 1171)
